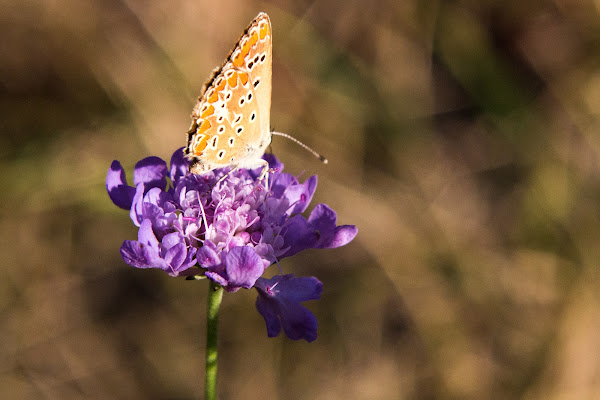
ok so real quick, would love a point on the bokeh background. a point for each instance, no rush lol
(463, 139)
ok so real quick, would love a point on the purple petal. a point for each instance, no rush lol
(297, 235)
(156, 215)
(155, 196)
(279, 304)
(116, 184)
(298, 322)
(301, 195)
(177, 253)
(243, 267)
(146, 235)
(280, 183)
(190, 260)
(273, 161)
(207, 256)
(144, 252)
(179, 166)
(269, 311)
(322, 220)
(152, 172)
(137, 208)
(174, 258)
(274, 164)
(341, 236)
(300, 289)
(140, 255)
(215, 277)
(172, 240)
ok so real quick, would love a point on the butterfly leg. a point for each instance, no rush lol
(264, 174)
(221, 179)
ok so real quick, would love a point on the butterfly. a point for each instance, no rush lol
(231, 120)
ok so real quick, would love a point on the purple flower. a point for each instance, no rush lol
(228, 231)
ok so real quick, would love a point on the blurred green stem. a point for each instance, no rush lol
(215, 295)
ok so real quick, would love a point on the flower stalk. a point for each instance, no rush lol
(215, 295)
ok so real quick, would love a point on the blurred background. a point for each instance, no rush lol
(463, 142)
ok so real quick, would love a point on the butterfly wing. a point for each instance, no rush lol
(224, 122)
(230, 122)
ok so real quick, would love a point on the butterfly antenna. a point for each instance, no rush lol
(293, 139)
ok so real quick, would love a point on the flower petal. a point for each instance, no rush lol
(174, 257)
(190, 261)
(297, 235)
(301, 195)
(273, 161)
(116, 184)
(146, 235)
(341, 236)
(279, 304)
(322, 219)
(152, 172)
(280, 183)
(274, 164)
(297, 321)
(243, 267)
(300, 289)
(144, 252)
(207, 256)
(141, 255)
(179, 166)
(269, 311)
(137, 207)
(214, 276)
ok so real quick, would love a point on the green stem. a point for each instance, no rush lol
(215, 295)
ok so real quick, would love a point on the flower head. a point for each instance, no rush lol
(229, 231)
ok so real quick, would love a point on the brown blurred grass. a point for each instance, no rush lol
(463, 141)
